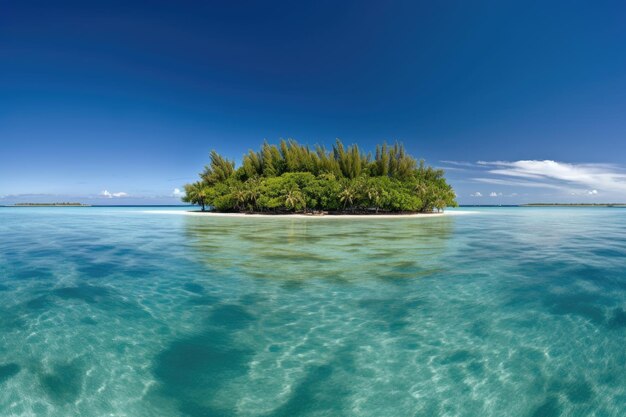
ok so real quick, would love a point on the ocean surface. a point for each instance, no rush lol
(131, 312)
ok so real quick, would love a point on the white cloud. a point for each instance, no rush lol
(177, 193)
(584, 192)
(494, 194)
(447, 168)
(460, 163)
(461, 166)
(476, 194)
(507, 182)
(108, 194)
(553, 174)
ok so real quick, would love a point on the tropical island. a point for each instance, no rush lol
(292, 178)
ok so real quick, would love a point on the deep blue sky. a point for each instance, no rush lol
(130, 96)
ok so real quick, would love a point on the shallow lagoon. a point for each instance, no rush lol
(504, 312)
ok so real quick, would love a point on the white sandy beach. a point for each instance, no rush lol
(308, 216)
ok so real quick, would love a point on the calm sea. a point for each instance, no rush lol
(131, 312)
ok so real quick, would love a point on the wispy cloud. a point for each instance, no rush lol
(459, 163)
(177, 193)
(448, 169)
(108, 194)
(585, 192)
(554, 174)
(499, 181)
(558, 180)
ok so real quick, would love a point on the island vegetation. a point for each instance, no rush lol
(294, 178)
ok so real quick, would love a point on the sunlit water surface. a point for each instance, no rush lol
(503, 312)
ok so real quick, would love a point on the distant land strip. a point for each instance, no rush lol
(574, 205)
(64, 204)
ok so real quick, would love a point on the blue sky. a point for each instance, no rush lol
(121, 102)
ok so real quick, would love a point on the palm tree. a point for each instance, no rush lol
(294, 198)
(203, 194)
(373, 195)
(196, 193)
(420, 188)
(440, 205)
(241, 196)
(347, 195)
(253, 191)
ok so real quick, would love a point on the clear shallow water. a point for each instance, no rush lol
(506, 312)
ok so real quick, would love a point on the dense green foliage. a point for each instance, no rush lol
(295, 178)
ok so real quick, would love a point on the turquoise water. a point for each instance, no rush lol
(502, 312)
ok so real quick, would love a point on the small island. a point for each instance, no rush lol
(291, 178)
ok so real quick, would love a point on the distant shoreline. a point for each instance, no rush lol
(50, 205)
(573, 205)
(95, 205)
